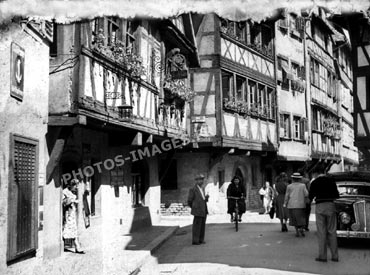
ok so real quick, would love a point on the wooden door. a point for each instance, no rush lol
(22, 199)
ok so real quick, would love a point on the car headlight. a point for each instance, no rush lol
(344, 218)
(355, 227)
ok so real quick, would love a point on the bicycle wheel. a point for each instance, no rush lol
(236, 218)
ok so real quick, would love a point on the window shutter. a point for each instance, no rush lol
(302, 73)
(302, 128)
(282, 128)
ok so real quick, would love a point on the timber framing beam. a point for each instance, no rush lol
(66, 120)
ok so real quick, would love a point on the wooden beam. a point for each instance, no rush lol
(66, 120)
(56, 152)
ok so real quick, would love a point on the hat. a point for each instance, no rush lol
(296, 176)
(199, 176)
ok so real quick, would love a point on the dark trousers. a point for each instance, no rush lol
(308, 212)
(199, 228)
(326, 222)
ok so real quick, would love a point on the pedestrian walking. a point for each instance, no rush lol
(236, 189)
(70, 214)
(324, 190)
(197, 200)
(280, 190)
(268, 194)
(295, 201)
(307, 183)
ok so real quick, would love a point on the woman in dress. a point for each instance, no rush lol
(236, 189)
(268, 195)
(295, 201)
(280, 190)
(70, 207)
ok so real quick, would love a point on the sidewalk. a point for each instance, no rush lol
(129, 254)
(125, 256)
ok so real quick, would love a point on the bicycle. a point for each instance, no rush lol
(236, 211)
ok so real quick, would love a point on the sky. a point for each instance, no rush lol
(65, 11)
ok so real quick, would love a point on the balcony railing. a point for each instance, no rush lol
(171, 116)
(265, 50)
(246, 109)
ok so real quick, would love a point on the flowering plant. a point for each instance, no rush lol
(178, 89)
(120, 54)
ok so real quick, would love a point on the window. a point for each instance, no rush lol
(252, 87)
(130, 38)
(255, 34)
(240, 30)
(23, 210)
(299, 128)
(285, 70)
(227, 86)
(330, 84)
(271, 103)
(295, 69)
(315, 119)
(317, 74)
(239, 88)
(235, 30)
(284, 125)
(261, 92)
(312, 71)
(113, 27)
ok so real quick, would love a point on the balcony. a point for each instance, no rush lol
(245, 109)
(171, 116)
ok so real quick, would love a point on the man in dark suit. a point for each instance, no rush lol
(197, 200)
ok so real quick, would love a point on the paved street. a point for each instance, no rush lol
(258, 248)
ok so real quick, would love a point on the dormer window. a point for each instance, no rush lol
(113, 30)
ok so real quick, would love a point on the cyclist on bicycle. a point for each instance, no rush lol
(236, 189)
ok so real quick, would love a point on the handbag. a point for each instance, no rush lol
(272, 212)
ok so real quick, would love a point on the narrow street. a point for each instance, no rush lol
(258, 248)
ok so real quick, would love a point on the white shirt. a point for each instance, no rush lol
(201, 191)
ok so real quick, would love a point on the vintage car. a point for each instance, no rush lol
(353, 206)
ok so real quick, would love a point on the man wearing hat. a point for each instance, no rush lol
(197, 200)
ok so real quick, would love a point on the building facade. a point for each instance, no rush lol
(119, 93)
(26, 197)
(359, 32)
(269, 97)
(293, 151)
(233, 114)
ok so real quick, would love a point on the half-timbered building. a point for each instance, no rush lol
(233, 114)
(119, 93)
(359, 32)
(293, 151)
(343, 64)
(324, 96)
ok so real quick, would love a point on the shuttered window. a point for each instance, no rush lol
(22, 212)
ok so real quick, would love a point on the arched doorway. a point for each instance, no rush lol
(140, 182)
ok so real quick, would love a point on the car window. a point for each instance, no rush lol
(353, 189)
